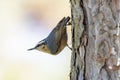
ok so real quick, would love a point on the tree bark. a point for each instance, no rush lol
(95, 40)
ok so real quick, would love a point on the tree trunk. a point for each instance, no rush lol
(96, 40)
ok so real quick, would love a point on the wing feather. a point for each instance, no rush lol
(54, 38)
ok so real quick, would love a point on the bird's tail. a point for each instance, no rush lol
(67, 20)
(64, 21)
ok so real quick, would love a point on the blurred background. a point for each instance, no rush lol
(23, 23)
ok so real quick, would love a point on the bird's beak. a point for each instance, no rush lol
(31, 49)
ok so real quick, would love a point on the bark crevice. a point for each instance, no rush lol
(96, 45)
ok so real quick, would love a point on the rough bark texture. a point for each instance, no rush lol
(96, 40)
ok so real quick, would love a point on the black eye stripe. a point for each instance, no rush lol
(43, 42)
(40, 45)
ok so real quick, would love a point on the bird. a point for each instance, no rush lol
(56, 41)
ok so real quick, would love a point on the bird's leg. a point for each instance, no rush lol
(68, 24)
(69, 47)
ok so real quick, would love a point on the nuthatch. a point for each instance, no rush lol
(56, 40)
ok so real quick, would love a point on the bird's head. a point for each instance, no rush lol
(41, 46)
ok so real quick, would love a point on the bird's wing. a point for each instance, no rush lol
(56, 34)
